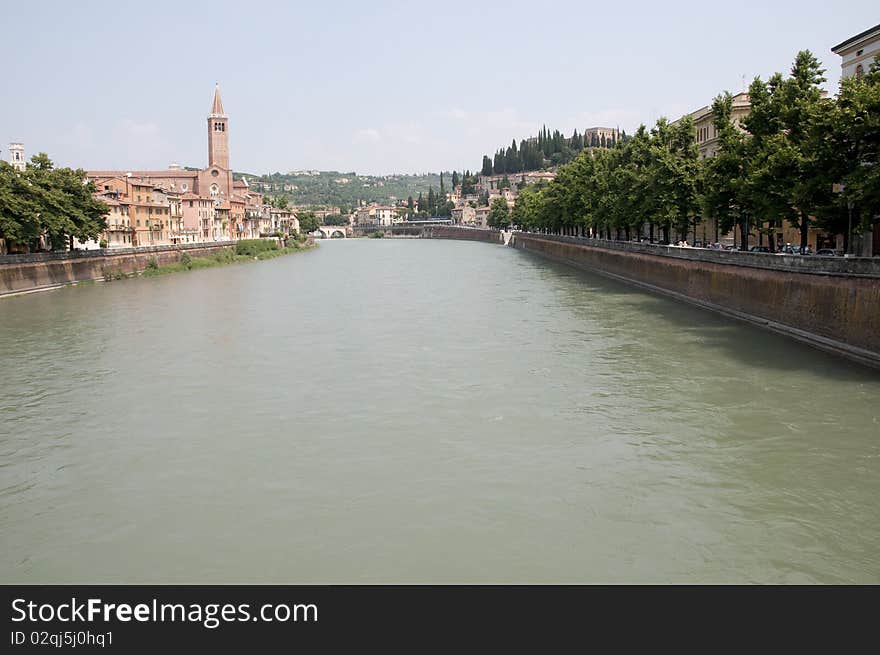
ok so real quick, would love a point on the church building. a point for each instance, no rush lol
(212, 205)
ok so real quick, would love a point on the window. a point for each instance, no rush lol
(860, 70)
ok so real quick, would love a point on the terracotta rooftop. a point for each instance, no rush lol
(168, 172)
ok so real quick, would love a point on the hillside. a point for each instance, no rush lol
(328, 189)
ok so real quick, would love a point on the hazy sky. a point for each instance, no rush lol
(379, 87)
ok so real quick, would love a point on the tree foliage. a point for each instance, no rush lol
(44, 201)
(545, 149)
(499, 214)
(308, 222)
(781, 164)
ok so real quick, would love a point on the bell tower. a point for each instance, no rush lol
(16, 156)
(218, 133)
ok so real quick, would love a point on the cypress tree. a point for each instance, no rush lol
(487, 165)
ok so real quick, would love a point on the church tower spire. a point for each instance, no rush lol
(218, 133)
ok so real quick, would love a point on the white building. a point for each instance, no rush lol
(857, 53)
(16, 156)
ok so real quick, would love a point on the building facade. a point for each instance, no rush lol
(185, 206)
(857, 53)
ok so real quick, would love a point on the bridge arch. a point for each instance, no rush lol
(330, 232)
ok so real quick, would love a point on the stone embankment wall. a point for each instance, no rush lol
(42, 271)
(830, 303)
(462, 233)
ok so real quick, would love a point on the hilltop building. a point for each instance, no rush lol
(601, 137)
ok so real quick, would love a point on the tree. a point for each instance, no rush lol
(487, 165)
(847, 139)
(19, 208)
(308, 222)
(499, 214)
(334, 219)
(785, 162)
(498, 165)
(44, 201)
(283, 202)
(455, 180)
(728, 194)
(468, 184)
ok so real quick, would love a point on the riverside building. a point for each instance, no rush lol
(176, 205)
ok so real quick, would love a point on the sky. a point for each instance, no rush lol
(379, 87)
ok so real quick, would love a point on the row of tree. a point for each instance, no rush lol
(434, 204)
(47, 206)
(799, 157)
(546, 149)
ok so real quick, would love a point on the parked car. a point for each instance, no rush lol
(728, 247)
(760, 249)
(792, 249)
(827, 252)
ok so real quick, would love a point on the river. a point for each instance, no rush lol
(423, 411)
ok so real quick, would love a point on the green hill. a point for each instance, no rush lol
(328, 189)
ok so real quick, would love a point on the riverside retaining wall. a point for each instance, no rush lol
(42, 271)
(832, 304)
(462, 233)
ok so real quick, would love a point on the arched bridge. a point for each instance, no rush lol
(330, 232)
